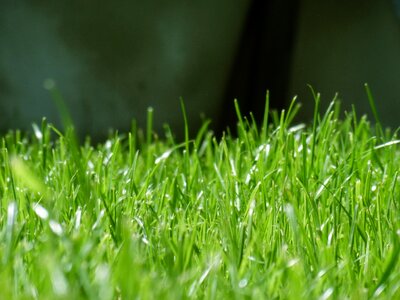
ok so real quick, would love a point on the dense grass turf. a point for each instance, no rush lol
(284, 212)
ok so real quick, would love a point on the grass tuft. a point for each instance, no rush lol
(285, 211)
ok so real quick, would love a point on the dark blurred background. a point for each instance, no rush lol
(112, 60)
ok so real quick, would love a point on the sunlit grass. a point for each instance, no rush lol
(285, 211)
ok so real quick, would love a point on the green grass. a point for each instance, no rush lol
(285, 211)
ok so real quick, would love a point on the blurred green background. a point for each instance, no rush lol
(112, 60)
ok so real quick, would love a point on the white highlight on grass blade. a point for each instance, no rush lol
(327, 294)
(252, 206)
(232, 163)
(40, 211)
(11, 216)
(60, 285)
(292, 262)
(102, 273)
(387, 144)
(297, 127)
(140, 223)
(90, 165)
(243, 283)
(330, 236)
(78, 216)
(102, 279)
(107, 158)
(322, 187)
(249, 175)
(255, 260)
(37, 132)
(219, 175)
(322, 273)
(205, 274)
(12, 210)
(213, 265)
(55, 227)
(379, 290)
(289, 210)
(163, 157)
(108, 144)
(262, 149)
(99, 218)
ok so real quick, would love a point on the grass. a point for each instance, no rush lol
(280, 212)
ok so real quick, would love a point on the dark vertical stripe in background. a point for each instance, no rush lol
(263, 59)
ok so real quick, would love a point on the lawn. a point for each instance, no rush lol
(282, 211)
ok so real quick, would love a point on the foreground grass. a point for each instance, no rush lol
(284, 212)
